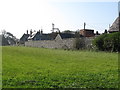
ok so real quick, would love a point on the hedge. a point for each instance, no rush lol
(108, 42)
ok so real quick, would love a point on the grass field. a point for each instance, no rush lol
(25, 67)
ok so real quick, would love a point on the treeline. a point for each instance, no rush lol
(108, 42)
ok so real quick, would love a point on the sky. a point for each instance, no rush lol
(18, 16)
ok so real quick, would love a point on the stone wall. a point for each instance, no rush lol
(65, 43)
(88, 41)
(58, 43)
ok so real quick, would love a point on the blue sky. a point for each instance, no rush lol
(97, 15)
(17, 16)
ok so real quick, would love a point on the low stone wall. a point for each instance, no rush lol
(88, 41)
(65, 43)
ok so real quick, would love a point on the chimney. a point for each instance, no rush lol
(41, 31)
(52, 27)
(84, 25)
(31, 32)
(96, 32)
(27, 31)
(105, 31)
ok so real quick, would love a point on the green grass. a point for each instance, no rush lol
(25, 67)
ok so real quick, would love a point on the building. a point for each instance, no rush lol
(115, 26)
(24, 38)
(66, 35)
(36, 36)
(87, 32)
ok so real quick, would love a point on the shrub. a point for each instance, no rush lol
(79, 43)
(99, 42)
(108, 42)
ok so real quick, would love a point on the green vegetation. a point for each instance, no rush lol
(25, 67)
(108, 42)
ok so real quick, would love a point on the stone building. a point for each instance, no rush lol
(56, 39)
(66, 35)
(115, 26)
(62, 40)
(24, 38)
(87, 32)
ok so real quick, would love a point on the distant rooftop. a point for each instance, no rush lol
(87, 29)
(115, 26)
(67, 35)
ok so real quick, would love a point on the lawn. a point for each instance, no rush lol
(27, 67)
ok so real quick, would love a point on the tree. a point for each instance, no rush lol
(112, 42)
(97, 33)
(105, 31)
(68, 31)
(79, 41)
(99, 42)
(7, 38)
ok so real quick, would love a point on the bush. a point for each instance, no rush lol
(108, 42)
(99, 41)
(79, 43)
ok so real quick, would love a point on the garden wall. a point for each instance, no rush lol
(63, 43)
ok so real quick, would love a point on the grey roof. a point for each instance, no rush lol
(115, 26)
(40, 36)
(24, 37)
(67, 35)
